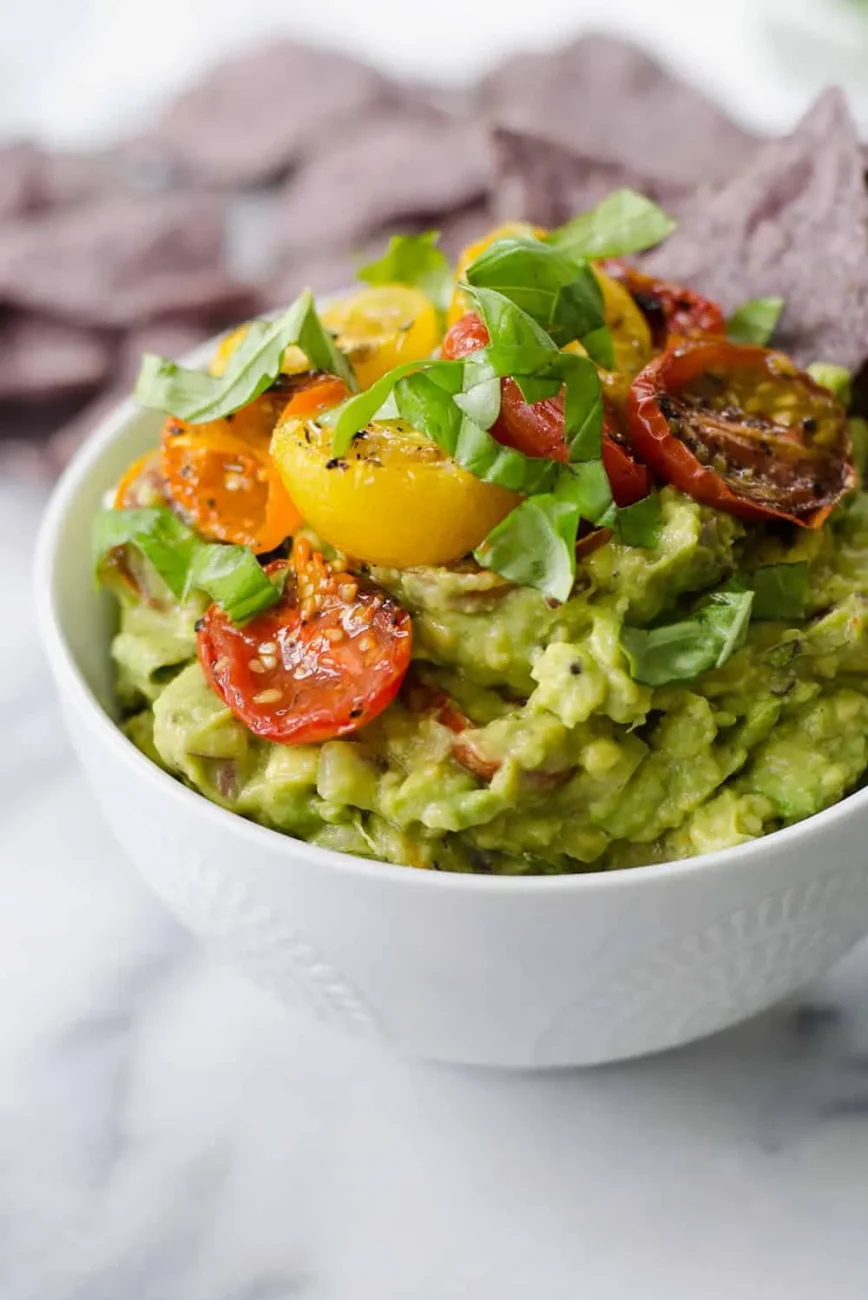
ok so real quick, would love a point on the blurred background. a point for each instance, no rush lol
(169, 166)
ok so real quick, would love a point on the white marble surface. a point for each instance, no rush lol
(167, 1132)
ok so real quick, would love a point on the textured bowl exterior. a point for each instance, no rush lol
(529, 973)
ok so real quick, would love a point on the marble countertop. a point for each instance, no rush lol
(168, 1132)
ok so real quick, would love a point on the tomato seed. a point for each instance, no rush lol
(256, 666)
(271, 696)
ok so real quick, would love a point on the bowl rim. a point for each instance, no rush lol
(69, 680)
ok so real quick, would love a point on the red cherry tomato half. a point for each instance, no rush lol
(537, 428)
(322, 663)
(742, 429)
(670, 310)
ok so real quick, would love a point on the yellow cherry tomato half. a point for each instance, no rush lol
(383, 326)
(378, 327)
(394, 499)
(460, 303)
(631, 338)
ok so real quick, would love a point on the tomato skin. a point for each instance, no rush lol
(653, 416)
(537, 428)
(672, 311)
(323, 662)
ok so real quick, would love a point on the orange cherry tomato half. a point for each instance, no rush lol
(221, 476)
(671, 310)
(322, 663)
(143, 483)
(742, 429)
(537, 428)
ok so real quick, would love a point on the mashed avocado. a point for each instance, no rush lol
(585, 768)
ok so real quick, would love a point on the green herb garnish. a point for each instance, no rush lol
(754, 321)
(623, 222)
(561, 294)
(229, 575)
(837, 379)
(196, 396)
(678, 652)
(415, 260)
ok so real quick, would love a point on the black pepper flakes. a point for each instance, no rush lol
(199, 625)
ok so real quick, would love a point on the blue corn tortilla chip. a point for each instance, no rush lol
(793, 222)
(547, 182)
(604, 98)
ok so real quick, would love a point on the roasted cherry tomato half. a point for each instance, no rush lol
(537, 428)
(321, 663)
(350, 501)
(742, 429)
(221, 476)
(670, 310)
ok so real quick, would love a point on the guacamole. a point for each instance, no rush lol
(537, 566)
(591, 770)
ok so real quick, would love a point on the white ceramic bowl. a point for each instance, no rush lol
(533, 972)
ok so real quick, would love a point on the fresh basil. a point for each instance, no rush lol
(195, 396)
(520, 348)
(480, 394)
(229, 575)
(837, 379)
(357, 412)
(560, 294)
(780, 591)
(754, 321)
(233, 577)
(586, 486)
(535, 546)
(156, 533)
(415, 260)
(640, 524)
(678, 652)
(624, 222)
(432, 410)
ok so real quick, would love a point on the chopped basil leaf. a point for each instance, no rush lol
(586, 486)
(233, 577)
(196, 396)
(754, 321)
(780, 591)
(480, 395)
(229, 575)
(535, 546)
(640, 524)
(560, 294)
(508, 326)
(624, 222)
(678, 652)
(430, 409)
(356, 413)
(415, 260)
(159, 535)
(836, 378)
(520, 348)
